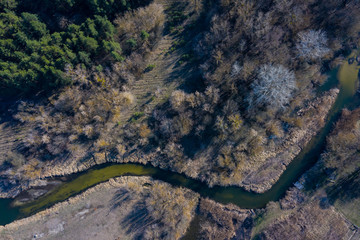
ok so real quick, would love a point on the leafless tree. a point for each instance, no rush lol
(235, 69)
(312, 44)
(273, 87)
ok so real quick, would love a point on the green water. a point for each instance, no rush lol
(347, 76)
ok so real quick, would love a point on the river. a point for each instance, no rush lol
(346, 77)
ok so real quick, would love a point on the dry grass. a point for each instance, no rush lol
(305, 219)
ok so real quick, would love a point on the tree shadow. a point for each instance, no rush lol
(121, 197)
(346, 189)
(138, 220)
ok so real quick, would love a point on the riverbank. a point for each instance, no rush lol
(223, 195)
(300, 215)
(255, 163)
(270, 164)
(274, 160)
(192, 116)
(124, 207)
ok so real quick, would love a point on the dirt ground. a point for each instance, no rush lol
(118, 209)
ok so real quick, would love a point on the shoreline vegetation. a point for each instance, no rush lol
(228, 92)
(231, 142)
(31, 208)
(101, 207)
(301, 137)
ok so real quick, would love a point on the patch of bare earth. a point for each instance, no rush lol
(122, 208)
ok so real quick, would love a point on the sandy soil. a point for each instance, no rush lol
(117, 209)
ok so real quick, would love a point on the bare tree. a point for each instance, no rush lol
(177, 99)
(235, 69)
(273, 87)
(312, 44)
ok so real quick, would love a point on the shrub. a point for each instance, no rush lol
(235, 121)
(127, 98)
(136, 116)
(235, 69)
(15, 159)
(144, 35)
(144, 131)
(141, 25)
(150, 67)
(177, 99)
(132, 43)
(8, 4)
(255, 146)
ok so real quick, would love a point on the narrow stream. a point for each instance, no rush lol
(347, 76)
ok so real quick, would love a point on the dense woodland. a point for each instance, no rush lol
(85, 112)
(259, 62)
(68, 68)
(41, 40)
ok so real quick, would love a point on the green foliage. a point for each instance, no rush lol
(99, 68)
(84, 57)
(88, 44)
(30, 58)
(112, 47)
(150, 67)
(8, 4)
(33, 58)
(132, 43)
(185, 58)
(87, 8)
(144, 35)
(108, 7)
(137, 116)
(32, 27)
(176, 17)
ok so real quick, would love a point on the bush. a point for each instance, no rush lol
(8, 4)
(132, 43)
(144, 35)
(149, 67)
(142, 26)
(127, 98)
(177, 100)
(137, 116)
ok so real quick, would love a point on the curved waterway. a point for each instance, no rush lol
(346, 75)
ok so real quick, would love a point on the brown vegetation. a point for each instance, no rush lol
(338, 170)
(307, 221)
(143, 27)
(328, 206)
(83, 121)
(224, 222)
(206, 130)
(258, 79)
(343, 146)
(122, 208)
(172, 210)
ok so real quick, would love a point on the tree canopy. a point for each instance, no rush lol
(34, 53)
